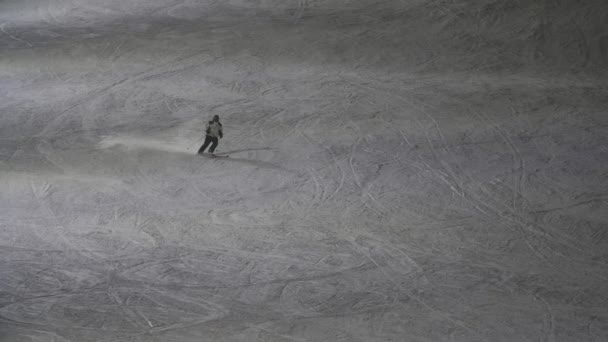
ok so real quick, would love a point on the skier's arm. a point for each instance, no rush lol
(207, 128)
(221, 132)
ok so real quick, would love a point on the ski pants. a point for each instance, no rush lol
(209, 140)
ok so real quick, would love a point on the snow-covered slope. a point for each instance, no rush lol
(399, 170)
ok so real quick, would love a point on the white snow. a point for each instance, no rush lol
(417, 170)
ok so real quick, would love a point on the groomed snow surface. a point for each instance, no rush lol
(416, 170)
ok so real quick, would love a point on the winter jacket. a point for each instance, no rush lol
(214, 129)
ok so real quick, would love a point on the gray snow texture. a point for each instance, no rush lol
(415, 170)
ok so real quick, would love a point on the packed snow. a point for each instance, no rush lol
(415, 170)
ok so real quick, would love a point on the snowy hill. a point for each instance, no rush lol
(398, 170)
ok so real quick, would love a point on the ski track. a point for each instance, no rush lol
(2, 28)
(455, 185)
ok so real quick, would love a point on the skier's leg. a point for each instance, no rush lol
(205, 144)
(214, 142)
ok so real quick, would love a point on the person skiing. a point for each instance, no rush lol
(213, 132)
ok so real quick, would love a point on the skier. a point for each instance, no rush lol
(213, 132)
